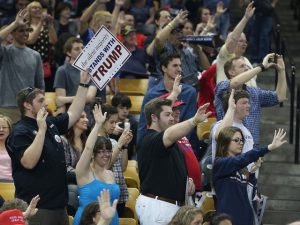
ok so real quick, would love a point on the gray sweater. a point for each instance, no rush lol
(19, 68)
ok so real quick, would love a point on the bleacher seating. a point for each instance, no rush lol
(7, 190)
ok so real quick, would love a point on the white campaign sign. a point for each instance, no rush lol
(102, 57)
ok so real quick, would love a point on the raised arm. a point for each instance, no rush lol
(33, 153)
(234, 36)
(179, 130)
(281, 84)
(78, 103)
(115, 14)
(83, 164)
(19, 21)
(228, 118)
(244, 77)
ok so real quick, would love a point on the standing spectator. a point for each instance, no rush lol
(67, 77)
(91, 173)
(74, 142)
(171, 67)
(123, 104)
(5, 161)
(64, 23)
(162, 168)
(238, 74)
(42, 38)
(261, 25)
(20, 66)
(230, 179)
(37, 153)
(235, 46)
(119, 158)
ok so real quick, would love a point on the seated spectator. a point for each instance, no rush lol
(67, 77)
(5, 161)
(42, 39)
(91, 173)
(231, 178)
(187, 215)
(64, 23)
(99, 213)
(21, 66)
(123, 104)
(11, 217)
(119, 157)
(74, 142)
(136, 65)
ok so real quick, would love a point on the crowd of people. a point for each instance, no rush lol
(87, 143)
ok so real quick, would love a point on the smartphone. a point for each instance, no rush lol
(127, 125)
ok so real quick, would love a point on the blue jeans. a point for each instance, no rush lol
(260, 37)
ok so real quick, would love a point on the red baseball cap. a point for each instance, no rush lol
(177, 103)
(12, 217)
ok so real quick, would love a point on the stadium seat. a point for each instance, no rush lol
(208, 204)
(71, 220)
(203, 129)
(127, 221)
(50, 100)
(132, 177)
(133, 86)
(7, 190)
(136, 102)
(132, 163)
(130, 204)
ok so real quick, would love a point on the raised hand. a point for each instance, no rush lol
(125, 137)
(220, 8)
(201, 114)
(249, 10)
(268, 61)
(177, 87)
(278, 139)
(21, 18)
(181, 17)
(120, 2)
(99, 117)
(107, 211)
(41, 118)
(31, 209)
(118, 130)
(84, 77)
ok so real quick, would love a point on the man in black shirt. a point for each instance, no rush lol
(162, 168)
(37, 153)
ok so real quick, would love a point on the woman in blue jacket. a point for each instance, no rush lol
(231, 177)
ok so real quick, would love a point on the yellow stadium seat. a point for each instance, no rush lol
(127, 221)
(7, 190)
(208, 204)
(130, 204)
(136, 103)
(132, 177)
(203, 129)
(132, 163)
(71, 220)
(133, 86)
(50, 100)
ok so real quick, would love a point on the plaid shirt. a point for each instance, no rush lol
(258, 98)
(119, 177)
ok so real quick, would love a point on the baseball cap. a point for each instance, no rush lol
(12, 217)
(126, 30)
(177, 103)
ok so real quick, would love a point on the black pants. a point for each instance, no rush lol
(50, 217)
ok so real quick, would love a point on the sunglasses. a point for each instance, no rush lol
(239, 141)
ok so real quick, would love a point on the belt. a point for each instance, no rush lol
(178, 203)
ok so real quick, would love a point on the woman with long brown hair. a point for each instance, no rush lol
(231, 177)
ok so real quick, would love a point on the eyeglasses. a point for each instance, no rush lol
(104, 151)
(240, 141)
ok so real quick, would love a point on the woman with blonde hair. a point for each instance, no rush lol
(5, 161)
(187, 215)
